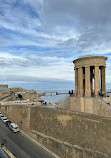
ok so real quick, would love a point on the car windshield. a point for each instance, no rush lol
(16, 127)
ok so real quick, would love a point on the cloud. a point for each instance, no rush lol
(35, 66)
(89, 21)
(41, 37)
(36, 83)
(8, 60)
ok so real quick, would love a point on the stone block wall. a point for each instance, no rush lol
(85, 130)
(101, 107)
(108, 100)
(19, 114)
(90, 105)
(3, 86)
(64, 149)
(64, 104)
(64, 129)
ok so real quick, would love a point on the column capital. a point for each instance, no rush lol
(96, 66)
(87, 66)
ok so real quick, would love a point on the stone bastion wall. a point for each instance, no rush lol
(94, 105)
(19, 114)
(67, 133)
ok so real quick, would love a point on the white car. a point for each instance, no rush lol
(14, 127)
(3, 118)
(1, 114)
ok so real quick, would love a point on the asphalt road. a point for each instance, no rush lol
(20, 146)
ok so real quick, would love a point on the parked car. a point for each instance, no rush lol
(8, 122)
(1, 114)
(1, 117)
(14, 127)
(4, 120)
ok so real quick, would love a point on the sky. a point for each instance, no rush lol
(39, 39)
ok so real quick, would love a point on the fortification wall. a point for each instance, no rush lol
(3, 86)
(85, 130)
(19, 114)
(4, 93)
(64, 149)
(65, 132)
(64, 104)
(108, 99)
(90, 105)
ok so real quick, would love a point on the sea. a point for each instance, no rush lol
(46, 86)
(61, 87)
(52, 97)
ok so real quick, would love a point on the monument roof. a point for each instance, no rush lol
(89, 56)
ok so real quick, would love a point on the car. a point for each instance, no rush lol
(14, 127)
(1, 114)
(3, 118)
(8, 122)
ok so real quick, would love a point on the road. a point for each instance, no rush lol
(20, 146)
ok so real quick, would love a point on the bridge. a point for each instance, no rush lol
(54, 92)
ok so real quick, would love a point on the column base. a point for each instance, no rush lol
(104, 93)
(87, 93)
(97, 91)
(80, 95)
(76, 94)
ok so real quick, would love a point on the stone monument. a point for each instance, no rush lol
(90, 76)
(90, 89)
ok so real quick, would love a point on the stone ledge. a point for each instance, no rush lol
(8, 153)
(40, 145)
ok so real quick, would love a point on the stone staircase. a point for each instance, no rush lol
(105, 107)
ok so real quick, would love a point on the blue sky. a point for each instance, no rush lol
(39, 39)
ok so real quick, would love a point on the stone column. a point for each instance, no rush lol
(96, 78)
(87, 82)
(80, 81)
(103, 86)
(76, 81)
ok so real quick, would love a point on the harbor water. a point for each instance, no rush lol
(52, 97)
